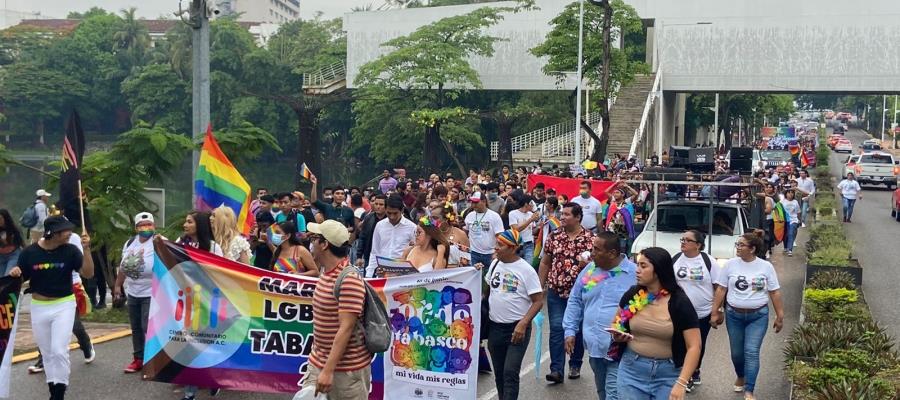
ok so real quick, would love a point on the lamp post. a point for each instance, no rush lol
(578, 83)
(883, 112)
(198, 20)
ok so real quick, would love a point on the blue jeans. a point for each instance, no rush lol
(484, 259)
(745, 335)
(8, 261)
(848, 207)
(526, 251)
(605, 375)
(556, 309)
(645, 378)
(804, 209)
(791, 236)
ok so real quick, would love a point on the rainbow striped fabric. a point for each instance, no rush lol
(218, 183)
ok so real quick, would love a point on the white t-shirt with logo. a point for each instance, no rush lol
(517, 217)
(482, 228)
(849, 189)
(511, 287)
(590, 207)
(748, 283)
(792, 210)
(137, 264)
(697, 282)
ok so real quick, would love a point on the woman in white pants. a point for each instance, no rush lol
(49, 265)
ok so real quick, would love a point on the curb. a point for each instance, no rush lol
(100, 339)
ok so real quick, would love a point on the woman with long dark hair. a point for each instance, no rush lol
(431, 250)
(745, 287)
(11, 242)
(289, 254)
(659, 327)
(198, 233)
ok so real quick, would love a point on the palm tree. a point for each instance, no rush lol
(133, 38)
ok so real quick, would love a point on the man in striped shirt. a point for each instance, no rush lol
(339, 364)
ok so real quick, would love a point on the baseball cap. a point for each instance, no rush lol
(334, 232)
(57, 223)
(143, 217)
(42, 193)
(476, 197)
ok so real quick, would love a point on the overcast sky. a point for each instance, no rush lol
(154, 8)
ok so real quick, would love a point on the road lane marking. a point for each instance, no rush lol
(492, 394)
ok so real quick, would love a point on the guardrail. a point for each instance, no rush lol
(325, 75)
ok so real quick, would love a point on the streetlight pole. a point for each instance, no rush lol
(578, 83)
(716, 124)
(199, 22)
(883, 111)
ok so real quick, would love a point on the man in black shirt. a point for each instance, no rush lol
(259, 242)
(335, 210)
(367, 229)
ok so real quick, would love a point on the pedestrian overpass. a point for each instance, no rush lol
(766, 46)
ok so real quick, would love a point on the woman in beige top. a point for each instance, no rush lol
(661, 331)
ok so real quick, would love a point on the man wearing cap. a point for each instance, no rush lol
(392, 235)
(482, 225)
(42, 209)
(134, 279)
(49, 265)
(339, 364)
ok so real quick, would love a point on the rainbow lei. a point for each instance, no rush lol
(636, 304)
(590, 281)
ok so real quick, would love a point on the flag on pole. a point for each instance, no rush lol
(70, 173)
(218, 183)
(305, 172)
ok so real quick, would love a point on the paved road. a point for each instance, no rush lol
(104, 380)
(874, 234)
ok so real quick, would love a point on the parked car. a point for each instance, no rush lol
(895, 204)
(877, 168)
(671, 218)
(843, 145)
(870, 147)
(850, 164)
(833, 139)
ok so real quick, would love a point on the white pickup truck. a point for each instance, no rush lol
(672, 218)
(877, 168)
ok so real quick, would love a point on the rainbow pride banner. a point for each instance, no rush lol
(218, 323)
(10, 289)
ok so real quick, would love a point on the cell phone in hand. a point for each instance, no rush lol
(615, 331)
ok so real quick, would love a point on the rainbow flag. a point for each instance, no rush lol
(218, 183)
(553, 223)
(305, 172)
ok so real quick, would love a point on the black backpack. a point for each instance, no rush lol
(706, 260)
(375, 323)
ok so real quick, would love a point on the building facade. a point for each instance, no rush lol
(271, 11)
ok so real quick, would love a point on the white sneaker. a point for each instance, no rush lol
(803, 225)
(88, 360)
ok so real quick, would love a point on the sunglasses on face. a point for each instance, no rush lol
(686, 240)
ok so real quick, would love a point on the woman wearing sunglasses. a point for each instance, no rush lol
(745, 287)
(695, 273)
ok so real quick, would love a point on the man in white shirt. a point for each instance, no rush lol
(43, 211)
(850, 192)
(807, 188)
(591, 208)
(392, 235)
(522, 220)
(482, 225)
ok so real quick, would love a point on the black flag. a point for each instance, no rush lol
(70, 177)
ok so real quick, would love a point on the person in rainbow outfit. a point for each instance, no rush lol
(593, 302)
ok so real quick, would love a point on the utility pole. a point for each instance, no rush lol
(578, 84)
(198, 20)
(883, 112)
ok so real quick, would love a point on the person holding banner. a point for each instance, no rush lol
(224, 226)
(135, 278)
(49, 265)
(431, 249)
(290, 256)
(515, 296)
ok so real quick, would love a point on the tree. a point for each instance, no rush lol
(431, 68)
(561, 49)
(155, 94)
(33, 95)
(508, 110)
(734, 107)
(132, 39)
(275, 75)
(93, 11)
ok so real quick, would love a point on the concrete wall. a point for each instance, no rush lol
(751, 45)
